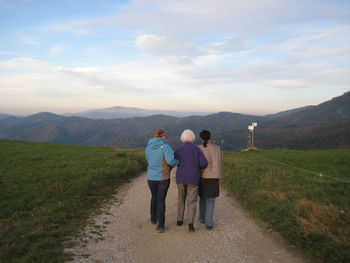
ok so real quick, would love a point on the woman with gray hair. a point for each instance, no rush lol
(191, 161)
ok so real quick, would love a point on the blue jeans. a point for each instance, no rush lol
(206, 211)
(159, 190)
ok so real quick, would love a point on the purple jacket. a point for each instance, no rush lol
(191, 161)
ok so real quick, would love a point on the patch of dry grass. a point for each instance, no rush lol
(309, 211)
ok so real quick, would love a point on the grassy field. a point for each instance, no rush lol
(47, 192)
(303, 195)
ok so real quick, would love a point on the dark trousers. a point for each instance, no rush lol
(159, 190)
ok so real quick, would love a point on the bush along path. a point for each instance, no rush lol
(124, 233)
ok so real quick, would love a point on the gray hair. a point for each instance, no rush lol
(187, 136)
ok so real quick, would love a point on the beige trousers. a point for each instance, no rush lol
(189, 193)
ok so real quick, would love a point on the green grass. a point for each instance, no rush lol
(303, 195)
(48, 191)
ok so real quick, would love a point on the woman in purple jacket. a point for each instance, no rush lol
(191, 161)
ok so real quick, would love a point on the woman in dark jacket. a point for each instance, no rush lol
(191, 160)
(209, 182)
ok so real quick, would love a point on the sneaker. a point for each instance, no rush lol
(161, 229)
(179, 223)
(209, 227)
(190, 228)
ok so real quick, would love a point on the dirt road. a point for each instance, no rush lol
(129, 235)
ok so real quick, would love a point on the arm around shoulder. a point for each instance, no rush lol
(169, 156)
(203, 163)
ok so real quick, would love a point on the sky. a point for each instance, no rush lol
(252, 56)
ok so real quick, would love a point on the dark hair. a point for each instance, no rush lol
(205, 135)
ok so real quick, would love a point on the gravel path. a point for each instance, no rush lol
(128, 235)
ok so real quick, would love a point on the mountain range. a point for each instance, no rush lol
(118, 112)
(312, 127)
(4, 116)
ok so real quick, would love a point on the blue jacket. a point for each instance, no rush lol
(159, 156)
(191, 160)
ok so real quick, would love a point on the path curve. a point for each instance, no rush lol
(130, 237)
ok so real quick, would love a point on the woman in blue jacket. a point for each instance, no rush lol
(160, 158)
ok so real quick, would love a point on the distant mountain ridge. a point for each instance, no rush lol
(118, 112)
(227, 126)
(287, 112)
(132, 132)
(278, 132)
(331, 136)
(4, 116)
(334, 110)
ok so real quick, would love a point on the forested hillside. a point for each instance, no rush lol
(322, 126)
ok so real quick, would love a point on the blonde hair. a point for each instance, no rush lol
(159, 133)
(187, 136)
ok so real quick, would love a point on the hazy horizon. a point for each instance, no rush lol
(252, 57)
(32, 111)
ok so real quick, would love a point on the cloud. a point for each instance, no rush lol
(5, 52)
(290, 83)
(333, 77)
(229, 18)
(92, 51)
(26, 74)
(29, 42)
(322, 53)
(161, 48)
(56, 50)
(232, 18)
(161, 45)
(175, 27)
(180, 18)
(104, 80)
(77, 27)
(78, 70)
(232, 43)
(24, 64)
(294, 43)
